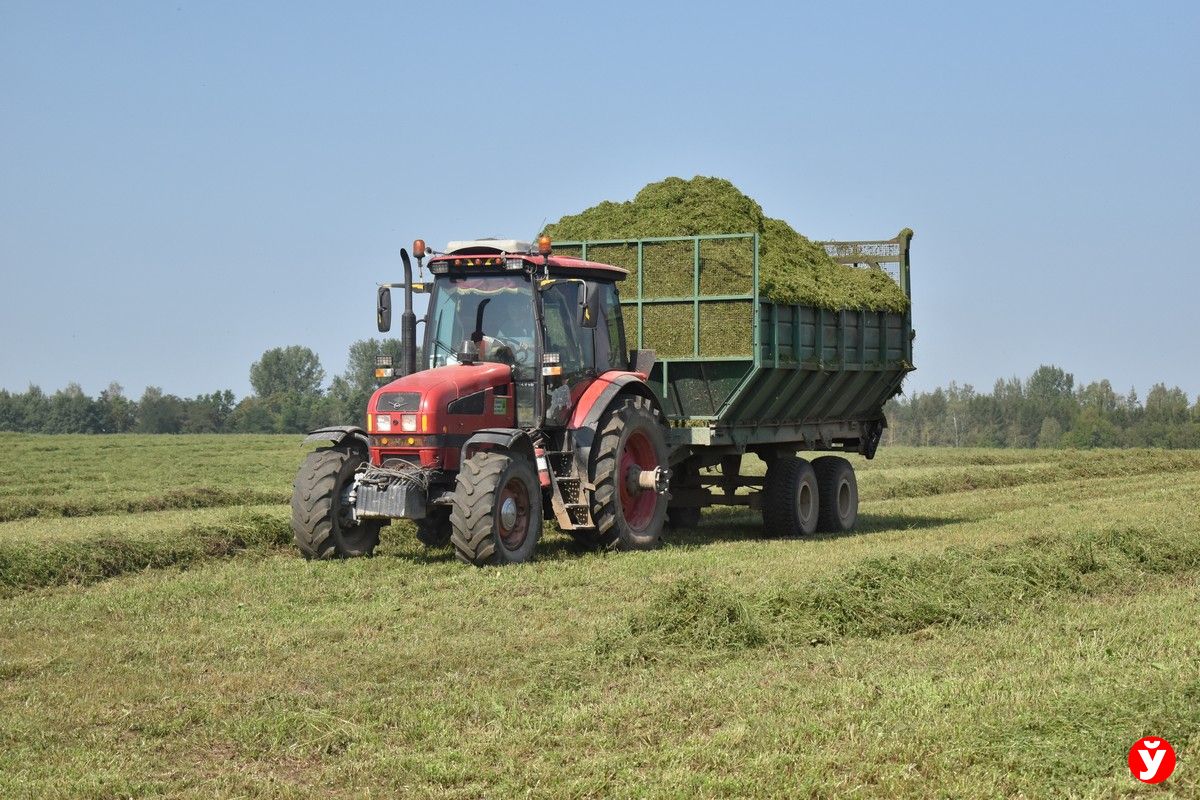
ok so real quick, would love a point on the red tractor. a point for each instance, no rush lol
(526, 406)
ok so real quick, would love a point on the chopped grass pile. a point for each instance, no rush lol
(1067, 466)
(792, 268)
(26, 564)
(887, 596)
(188, 497)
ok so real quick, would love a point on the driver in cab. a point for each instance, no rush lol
(507, 335)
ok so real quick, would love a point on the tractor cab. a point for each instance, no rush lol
(555, 321)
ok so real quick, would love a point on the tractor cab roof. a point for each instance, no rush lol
(486, 255)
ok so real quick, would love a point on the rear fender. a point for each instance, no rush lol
(603, 392)
(346, 436)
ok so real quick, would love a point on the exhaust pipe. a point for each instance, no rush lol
(408, 320)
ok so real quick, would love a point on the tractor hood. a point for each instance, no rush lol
(431, 391)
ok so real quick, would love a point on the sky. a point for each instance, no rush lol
(184, 185)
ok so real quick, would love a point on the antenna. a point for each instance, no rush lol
(538, 232)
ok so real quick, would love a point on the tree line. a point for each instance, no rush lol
(1045, 410)
(289, 396)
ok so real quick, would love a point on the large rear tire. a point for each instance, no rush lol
(630, 437)
(322, 525)
(838, 492)
(790, 504)
(497, 512)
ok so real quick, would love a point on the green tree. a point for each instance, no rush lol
(252, 415)
(208, 413)
(1050, 434)
(31, 409)
(118, 414)
(8, 411)
(158, 412)
(352, 389)
(1092, 430)
(72, 411)
(287, 370)
(1166, 406)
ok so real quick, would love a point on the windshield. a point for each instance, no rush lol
(495, 312)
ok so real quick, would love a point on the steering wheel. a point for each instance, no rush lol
(522, 351)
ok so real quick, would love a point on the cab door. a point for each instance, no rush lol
(569, 361)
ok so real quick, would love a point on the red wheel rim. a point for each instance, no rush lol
(512, 513)
(637, 505)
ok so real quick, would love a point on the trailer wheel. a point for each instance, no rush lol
(790, 503)
(434, 530)
(838, 493)
(322, 523)
(630, 438)
(497, 512)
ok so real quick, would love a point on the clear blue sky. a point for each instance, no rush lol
(183, 185)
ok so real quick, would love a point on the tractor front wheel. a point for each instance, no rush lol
(628, 515)
(497, 513)
(323, 523)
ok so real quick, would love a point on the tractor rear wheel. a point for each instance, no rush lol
(434, 530)
(323, 524)
(629, 441)
(838, 493)
(790, 502)
(497, 512)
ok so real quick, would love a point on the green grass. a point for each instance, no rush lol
(1000, 636)
(69, 476)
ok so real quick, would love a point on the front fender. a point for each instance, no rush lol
(512, 439)
(349, 436)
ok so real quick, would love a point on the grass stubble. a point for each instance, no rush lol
(989, 636)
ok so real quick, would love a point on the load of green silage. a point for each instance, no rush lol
(792, 268)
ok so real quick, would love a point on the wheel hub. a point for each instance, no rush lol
(508, 513)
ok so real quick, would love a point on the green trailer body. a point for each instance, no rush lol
(737, 372)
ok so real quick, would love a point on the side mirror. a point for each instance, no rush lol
(383, 310)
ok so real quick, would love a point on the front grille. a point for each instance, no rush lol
(398, 401)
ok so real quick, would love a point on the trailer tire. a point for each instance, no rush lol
(838, 493)
(790, 504)
(434, 530)
(321, 526)
(630, 433)
(497, 513)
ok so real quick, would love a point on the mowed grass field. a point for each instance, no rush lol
(1003, 623)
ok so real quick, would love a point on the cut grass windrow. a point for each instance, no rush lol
(26, 565)
(189, 497)
(1082, 466)
(886, 596)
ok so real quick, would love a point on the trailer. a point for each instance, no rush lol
(782, 379)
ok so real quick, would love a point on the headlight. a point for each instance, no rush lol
(383, 422)
(408, 422)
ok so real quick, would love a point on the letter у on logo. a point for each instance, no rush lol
(1152, 759)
